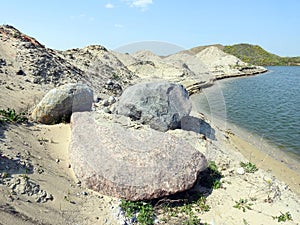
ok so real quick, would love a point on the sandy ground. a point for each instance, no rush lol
(39, 153)
(267, 163)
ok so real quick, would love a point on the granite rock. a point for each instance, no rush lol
(130, 162)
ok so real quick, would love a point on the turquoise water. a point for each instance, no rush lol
(267, 105)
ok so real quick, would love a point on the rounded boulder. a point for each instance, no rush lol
(59, 103)
(159, 104)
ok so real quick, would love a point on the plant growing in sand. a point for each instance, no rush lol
(283, 217)
(249, 167)
(143, 210)
(10, 116)
(245, 222)
(184, 210)
(243, 204)
(212, 177)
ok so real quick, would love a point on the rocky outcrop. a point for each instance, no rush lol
(59, 103)
(119, 158)
(159, 104)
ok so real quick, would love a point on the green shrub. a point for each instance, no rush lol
(10, 116)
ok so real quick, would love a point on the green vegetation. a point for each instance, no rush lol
(245, 222)
(249, 167)
(243, 204)
(144, 211)
(283, 217)
(115, 76)
(10, 116)
(187, 211)
(212, 177)
(256, 55)
(183, 210)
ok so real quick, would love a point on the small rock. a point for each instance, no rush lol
(112, 108)
(111, 100)
(21, 72)
(109, 82)
(57, 160)
(106, 110)
(240, 171)
(105, 102)
(96, 99)
(78, 183)
(36, 80)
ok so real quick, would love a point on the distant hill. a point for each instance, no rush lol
(256, 55)
(253, 54)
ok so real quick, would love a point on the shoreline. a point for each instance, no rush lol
(278, 166)
(267, 163)
(195, 88)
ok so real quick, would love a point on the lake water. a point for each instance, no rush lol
(266, 106)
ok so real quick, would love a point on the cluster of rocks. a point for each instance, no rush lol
(113, 87)
(15, 172)
(25, 186)
(127, 154)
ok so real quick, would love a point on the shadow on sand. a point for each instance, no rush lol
(9, 166)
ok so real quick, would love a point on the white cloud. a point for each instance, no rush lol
(141, 4)
(109, 6)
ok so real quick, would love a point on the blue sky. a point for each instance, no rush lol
(64, 24)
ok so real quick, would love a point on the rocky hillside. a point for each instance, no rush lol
(108, 72)
(23, 55)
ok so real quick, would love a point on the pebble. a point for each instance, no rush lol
(78, 183)
(106, 110)
(105, 102)
(111, 100)
(240, 171)
(109, 82)
(57, 160)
